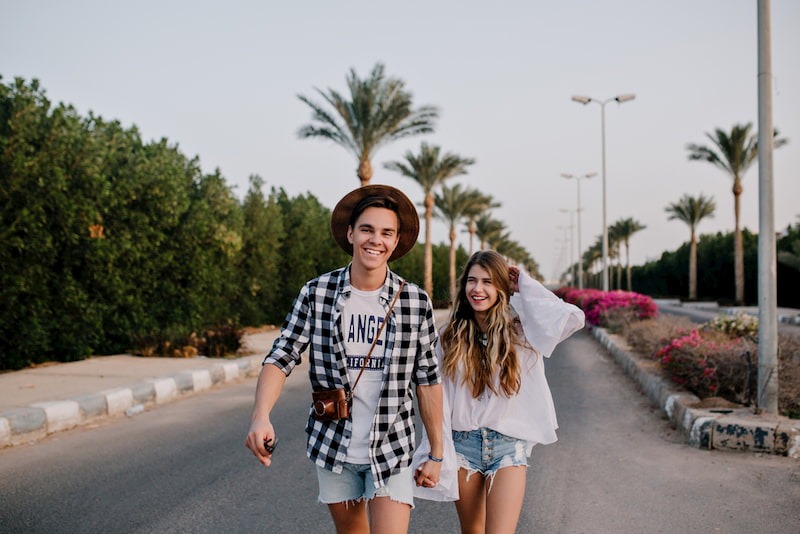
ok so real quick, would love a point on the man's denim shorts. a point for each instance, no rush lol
(355, 483)
(485, 451)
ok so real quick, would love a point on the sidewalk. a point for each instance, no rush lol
(42, 400)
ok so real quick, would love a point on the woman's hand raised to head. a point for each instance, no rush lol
(513, 274)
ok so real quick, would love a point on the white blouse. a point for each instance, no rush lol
(530, 414)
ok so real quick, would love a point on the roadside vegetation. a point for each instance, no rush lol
(716, 360)
(113, 244)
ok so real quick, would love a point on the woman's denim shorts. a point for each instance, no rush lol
(355, 483)
(485, 451)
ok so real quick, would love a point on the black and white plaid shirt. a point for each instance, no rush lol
(315, 321)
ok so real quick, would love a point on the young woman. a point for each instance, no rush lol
(496, 399)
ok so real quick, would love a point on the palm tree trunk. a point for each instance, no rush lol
(428, 275)
(738, 249)
(471, 236)
(628, 263)
(452, 264)
(693, 267)
(364, 172)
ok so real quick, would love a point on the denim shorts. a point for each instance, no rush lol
(485, 451)
(355, 483)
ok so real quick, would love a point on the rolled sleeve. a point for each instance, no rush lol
(427, 372)
(294, 338)
(546, 319)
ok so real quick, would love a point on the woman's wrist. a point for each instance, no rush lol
(432, 458)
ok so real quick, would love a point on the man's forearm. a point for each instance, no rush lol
(430, 409)
(268, 389)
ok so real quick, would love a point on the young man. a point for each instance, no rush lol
(362, 461)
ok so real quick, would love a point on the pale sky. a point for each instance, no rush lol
(221, 80)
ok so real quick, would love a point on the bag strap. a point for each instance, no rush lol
(375, 341)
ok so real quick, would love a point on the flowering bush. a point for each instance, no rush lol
(711, 362)
(708, 364)
(604, 308)
(646, 337)
(739, 325)
(685, 359)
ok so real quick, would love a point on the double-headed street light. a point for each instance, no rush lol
(578, 210)
(585, 100)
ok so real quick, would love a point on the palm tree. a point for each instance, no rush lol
(791, 258)
(430, 169)
(624, 229)
(692, 210)
(498, 240)
(614, 245)
(379, 111)
(532, 267)
(478, 205)
(487, 229)
(733, 154)
(512, 250)
(452, 206)
(592, 255)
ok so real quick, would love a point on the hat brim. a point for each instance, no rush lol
(406, 212)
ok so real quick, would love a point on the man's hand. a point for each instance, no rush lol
(260, 431)
(428, 473)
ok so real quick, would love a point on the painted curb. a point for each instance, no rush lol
(739, 430)
(41, 419)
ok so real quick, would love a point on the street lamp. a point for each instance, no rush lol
(571, 242)
(564, 253)
(578, 210)
(585, 100)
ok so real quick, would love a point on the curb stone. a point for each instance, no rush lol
(41, 419)
(735, 430)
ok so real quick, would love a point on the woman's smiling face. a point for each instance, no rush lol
(481, 293)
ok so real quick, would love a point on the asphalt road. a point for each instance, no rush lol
(617, 468)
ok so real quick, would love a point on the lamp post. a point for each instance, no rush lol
(585, 100)
(571, 242)
(563, 250)
(578, 210)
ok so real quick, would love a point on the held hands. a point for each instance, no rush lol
(261, 432)
(513, 274)
(428, 474)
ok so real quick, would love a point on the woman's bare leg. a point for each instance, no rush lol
(471, 505)
(388, 517)
(504, 499)
(350, 517)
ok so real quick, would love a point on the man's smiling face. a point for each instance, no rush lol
(374, 237)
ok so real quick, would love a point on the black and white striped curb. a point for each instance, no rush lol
(738, 429)
(41, 419)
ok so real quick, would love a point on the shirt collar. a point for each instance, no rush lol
(390, 286)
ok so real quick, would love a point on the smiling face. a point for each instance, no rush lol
(374, 236)
(480, 291)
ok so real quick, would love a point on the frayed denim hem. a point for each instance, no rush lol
(352, 502)
(517, 459)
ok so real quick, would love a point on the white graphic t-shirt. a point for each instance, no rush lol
(361, 320)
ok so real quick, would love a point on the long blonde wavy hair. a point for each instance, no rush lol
(464, 353)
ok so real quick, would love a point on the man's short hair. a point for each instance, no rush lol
(374, 201)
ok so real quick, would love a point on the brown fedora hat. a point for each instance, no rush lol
(406, 212)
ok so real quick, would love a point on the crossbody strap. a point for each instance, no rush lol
(375, 341)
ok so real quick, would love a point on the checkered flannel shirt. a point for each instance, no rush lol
(315, 322)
